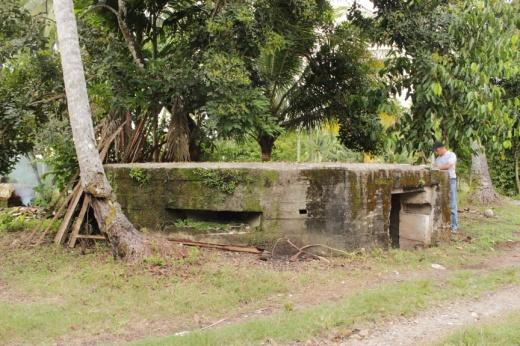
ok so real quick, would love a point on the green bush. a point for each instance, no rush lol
(232, 151)
(318, 145)
(47, 195)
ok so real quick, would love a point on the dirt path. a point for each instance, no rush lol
(435, 323)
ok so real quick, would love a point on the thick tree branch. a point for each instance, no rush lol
(134, 49)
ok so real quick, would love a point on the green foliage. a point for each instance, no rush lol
(139, 176)
(234, 97)
(503, 162)
(232, 151)
(19, 31)
(47, 195)
(320, 145)
(24, 80)
(317, 145)
(28, 73)
(391, 151)
(11, 223)
(233, 70)
(53, 142)
(502, 170)
(282, 80)
(224, 180)
(450, 67)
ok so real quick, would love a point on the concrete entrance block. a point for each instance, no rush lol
(425, 197)
(415, 227)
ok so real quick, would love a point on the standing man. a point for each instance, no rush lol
(447, 161)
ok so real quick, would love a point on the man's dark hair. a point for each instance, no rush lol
(437, 145)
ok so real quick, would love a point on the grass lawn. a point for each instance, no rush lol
(503, 332)
(385, 301)
(50, 294)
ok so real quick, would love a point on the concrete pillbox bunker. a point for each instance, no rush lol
(346, 206)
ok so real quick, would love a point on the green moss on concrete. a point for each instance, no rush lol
(354, 187)
(139, 176)
(223, 180)
(270, 178)
(112, 180)
(414, 179)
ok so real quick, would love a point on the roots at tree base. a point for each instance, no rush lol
(484, 195)
(127, 242)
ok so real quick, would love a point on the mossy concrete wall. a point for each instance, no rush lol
(346, 206)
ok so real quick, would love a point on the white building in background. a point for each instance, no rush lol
(26, 175)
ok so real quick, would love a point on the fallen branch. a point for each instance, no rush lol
(184, 332)
(325, 247)
(303, 250)
(52, 98)
(233, 248)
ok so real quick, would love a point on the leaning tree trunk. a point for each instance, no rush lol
(126, 241)
(484, 191)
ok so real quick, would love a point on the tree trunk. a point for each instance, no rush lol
(195, 140)
(266, 146)
(34, 166)
(178, 138)
(135, 50)
(484, 191)
(126, 241)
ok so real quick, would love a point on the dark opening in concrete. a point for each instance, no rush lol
(250, 218)
(395, 210)
(303, 211)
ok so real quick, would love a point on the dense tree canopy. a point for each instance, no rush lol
(448, 57)
(177, 76)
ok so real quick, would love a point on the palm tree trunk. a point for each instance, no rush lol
(484, 190)
(126, 241)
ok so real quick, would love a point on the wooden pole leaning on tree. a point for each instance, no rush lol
(71, 201)
(103, 148)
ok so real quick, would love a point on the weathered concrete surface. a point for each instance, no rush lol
(346, 206)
